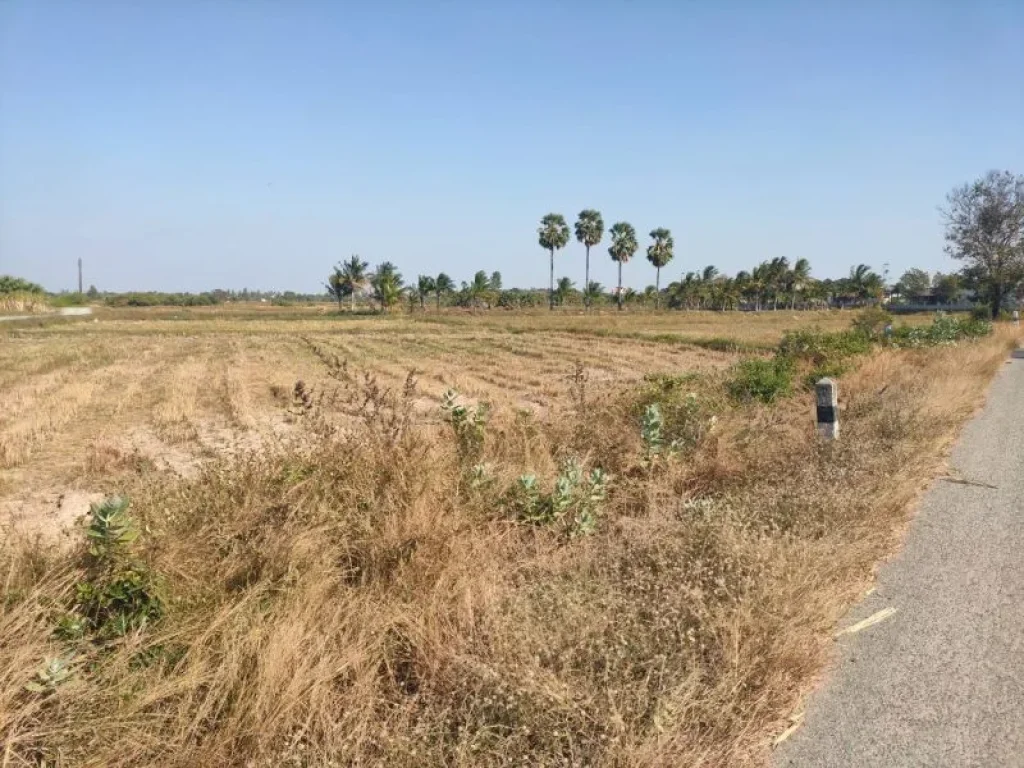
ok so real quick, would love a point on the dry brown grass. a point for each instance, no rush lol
(344, 596)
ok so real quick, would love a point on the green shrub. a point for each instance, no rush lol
(676, 413)
(468, 425)
(823, 348)
(68, 300)
(760, 379)
(944, 330)
(574, 502)
(119, 594)
(11, 284)
(871, 321)
(981, 312)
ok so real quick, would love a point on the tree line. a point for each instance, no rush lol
(984, 228)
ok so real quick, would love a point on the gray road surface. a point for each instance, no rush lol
(65, 312)
(940, 682)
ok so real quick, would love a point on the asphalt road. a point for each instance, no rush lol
(941, 681)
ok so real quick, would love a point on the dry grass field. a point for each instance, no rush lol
(172, 386)
(346, 576)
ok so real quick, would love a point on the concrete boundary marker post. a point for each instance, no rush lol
(827, 396)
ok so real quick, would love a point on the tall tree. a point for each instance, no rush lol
(495, 281)
(443, 284)
(659, 253)
(589, 231)
(778, 270)
(915, 282)
(425, 285)
(553, 235)
(985, 229)
(946, 288)
(797, 279)
(622, 249)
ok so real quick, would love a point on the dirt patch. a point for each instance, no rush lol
(48, 513)
(163, 455)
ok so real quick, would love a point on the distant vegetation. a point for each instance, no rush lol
(17, 295)
(985, 228)
(9, 284)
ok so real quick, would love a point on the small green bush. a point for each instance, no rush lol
(68, 300)
(760, 379)
(871, 321)
(573, 503)
(119, 594)
(981, 312)
(681, 408)
(469, 425)
(822, 348)
(944, 330)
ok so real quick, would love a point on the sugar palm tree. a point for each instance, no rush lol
(589, 231)
(443, 284)
(659, 253)
(553, 235)
(623, 246)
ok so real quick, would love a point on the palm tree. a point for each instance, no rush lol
(387, 284)
(778, 270)
(659, 253)
(797, 279)
(424, 285)
(865, 284)
(553, 235)
(707, 286)
(689, 290)
(443, 284)
(479, 290)
(623, 246)
(589, 230)
(334, 285)
(351, 276)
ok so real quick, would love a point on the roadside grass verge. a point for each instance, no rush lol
(379, 591)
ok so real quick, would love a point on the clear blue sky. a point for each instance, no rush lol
(196, 144)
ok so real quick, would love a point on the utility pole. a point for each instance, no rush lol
(79, 276)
